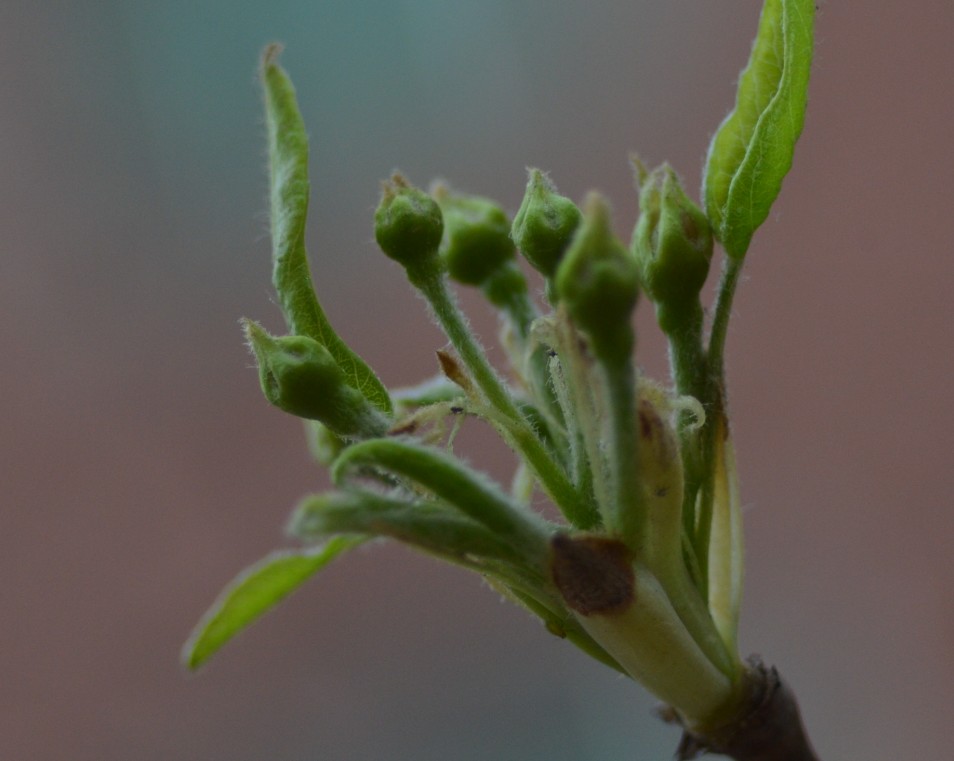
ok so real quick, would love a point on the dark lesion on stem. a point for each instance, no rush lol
(593, 573)
(769, 728)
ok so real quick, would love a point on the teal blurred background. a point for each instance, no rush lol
(140, 468)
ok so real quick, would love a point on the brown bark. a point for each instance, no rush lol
(769, 728)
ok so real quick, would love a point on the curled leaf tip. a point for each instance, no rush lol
(271, 54)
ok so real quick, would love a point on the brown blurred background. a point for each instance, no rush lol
(140, 468)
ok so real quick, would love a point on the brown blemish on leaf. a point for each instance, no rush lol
(594, 574)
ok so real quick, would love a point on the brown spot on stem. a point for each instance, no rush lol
(271, 53)
(594, 574)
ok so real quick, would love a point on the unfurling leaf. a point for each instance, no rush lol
(752, 151)
(288, 182)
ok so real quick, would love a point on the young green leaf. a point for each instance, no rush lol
(752, 151)
(254, 592)
(288, 179)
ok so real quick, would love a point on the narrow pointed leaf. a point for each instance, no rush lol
(726, 546)
(752, 151)
(288, 179)
(254, 592)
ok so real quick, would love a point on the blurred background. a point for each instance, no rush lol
(140, 468)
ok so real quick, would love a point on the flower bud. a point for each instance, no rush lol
(672, 243)
(598, 282)
(477, 240)
(299, 375)
(544, 224)
(408, 224)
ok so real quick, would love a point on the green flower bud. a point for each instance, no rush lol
(299, 375)
(408, 224)
(477, 241)
(544, 224)
(598, 282)
(672, 244)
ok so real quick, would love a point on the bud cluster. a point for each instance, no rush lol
(642, 568)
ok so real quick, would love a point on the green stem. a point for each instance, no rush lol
(581, 410)
(628, 508)
(579, 463)
(686, 358)
(687, 363)
(452, 481)
(507, 290)
(555, 482)
(720, 321)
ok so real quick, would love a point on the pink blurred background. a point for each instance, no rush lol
(140, 468)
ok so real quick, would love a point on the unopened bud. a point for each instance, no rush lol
(408, 224)
(299, 375)
(598, 282)
(672, 243)
(544, 224)
(477, 240)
